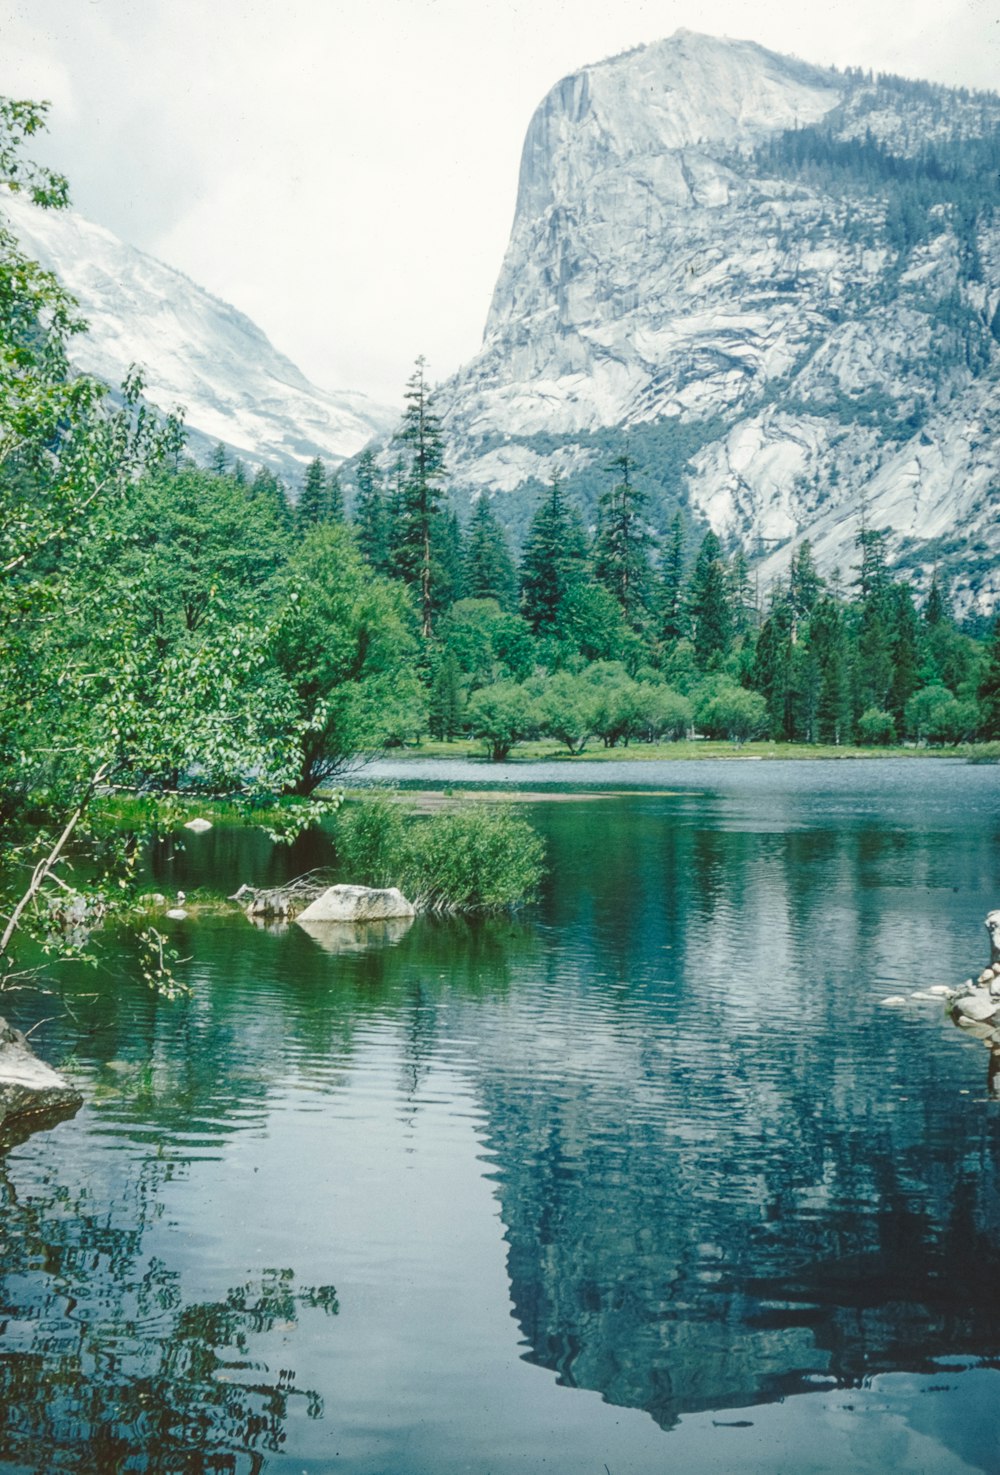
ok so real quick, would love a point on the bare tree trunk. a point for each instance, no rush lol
(46, 865)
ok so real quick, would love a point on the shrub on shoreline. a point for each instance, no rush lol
(474, 858)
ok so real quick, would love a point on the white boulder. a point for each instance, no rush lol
(29, 1087)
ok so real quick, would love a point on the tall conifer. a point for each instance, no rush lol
(553, 562)
(489, 568)
(421, 441)
(623, 544)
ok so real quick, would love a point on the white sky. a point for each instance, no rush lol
(345, 170)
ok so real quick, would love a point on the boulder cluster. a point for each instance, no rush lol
(976, 1005)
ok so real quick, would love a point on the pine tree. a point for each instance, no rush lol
(804, 582)
(447, 561)
(673, 621)
(988, 690)
(321, 498)
(444, 708)
(828, 638)
(905, 652)
(873, 575)
(708, 602)
(623, 544)
(936, 610)
(742, 603)
(773, 665)
(552, 566)
(219, 462)
(489, 568)
(269, 490)
(421, 440)
(370, 514)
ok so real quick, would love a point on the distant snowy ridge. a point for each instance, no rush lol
(671, 257)
(193, 349)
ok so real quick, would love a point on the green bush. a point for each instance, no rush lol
(876, 729)
(371, 840)
(478, 858)
(475, 858)
(730, 711)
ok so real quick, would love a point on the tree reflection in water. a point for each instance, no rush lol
(104, 1368)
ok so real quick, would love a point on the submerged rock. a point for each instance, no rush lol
(28, 1087)
(358, 904)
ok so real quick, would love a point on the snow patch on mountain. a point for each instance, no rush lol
(194, 350)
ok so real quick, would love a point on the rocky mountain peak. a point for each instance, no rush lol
(797, 269)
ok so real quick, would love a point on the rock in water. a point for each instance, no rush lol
(993, 928)
(357, 904)
(198, 825)
(979, 1007)
(29, 1087)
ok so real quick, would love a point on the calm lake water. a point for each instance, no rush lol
(645, 1180)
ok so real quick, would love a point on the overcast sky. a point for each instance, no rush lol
(345, 170)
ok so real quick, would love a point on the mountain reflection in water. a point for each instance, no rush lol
(724, 1174)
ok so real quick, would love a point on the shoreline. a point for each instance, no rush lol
(469, 751)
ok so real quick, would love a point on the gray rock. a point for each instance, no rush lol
(978, 1007)
(357, 904)
(993, 928)
(198, 825)
(29, 1087)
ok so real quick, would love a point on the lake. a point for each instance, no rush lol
(644, 1179)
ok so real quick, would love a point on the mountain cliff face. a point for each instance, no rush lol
(194, 350)
(781, 283)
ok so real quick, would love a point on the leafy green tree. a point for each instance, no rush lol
(489, 568)
(565, 709)
(623, 545)
(667, 714)
(502, 715)
(341, 639)
(876, 728)
(66, 453)
(488, 644)
(623, 708)
(421, 441)
(592, 626)
(726, 710)
(187, 548)
(935, 715)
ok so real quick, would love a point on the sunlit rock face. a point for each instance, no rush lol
(671, 257)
